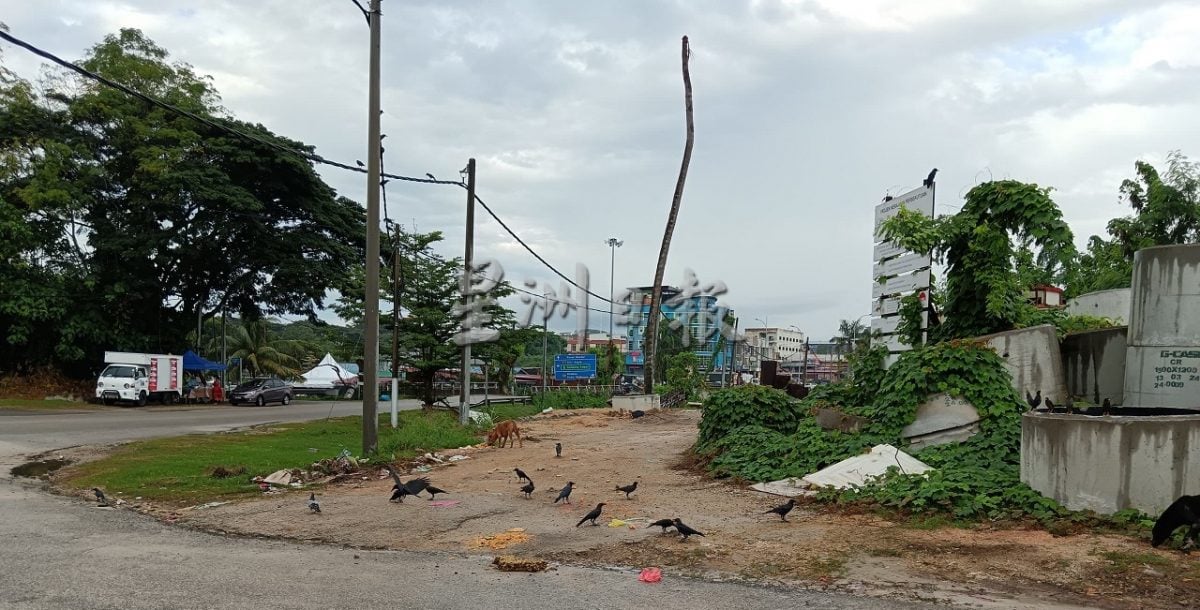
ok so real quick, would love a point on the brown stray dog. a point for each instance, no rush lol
(504, 431)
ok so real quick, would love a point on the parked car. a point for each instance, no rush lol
(261, 391)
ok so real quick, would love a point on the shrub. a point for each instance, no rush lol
(728, 409)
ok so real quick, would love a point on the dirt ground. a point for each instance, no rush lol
(820, 548)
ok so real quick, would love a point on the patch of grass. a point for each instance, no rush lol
(501, 413)
(826, 567)
(178, 469)
(1123, 562)
(29, 404)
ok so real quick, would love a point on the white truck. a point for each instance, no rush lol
(137, 378)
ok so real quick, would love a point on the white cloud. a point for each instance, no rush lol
(807, 111)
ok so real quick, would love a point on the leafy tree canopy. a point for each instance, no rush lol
(121, 223)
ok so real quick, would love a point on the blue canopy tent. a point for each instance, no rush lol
(192, 362)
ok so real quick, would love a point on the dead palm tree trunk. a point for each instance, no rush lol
(656, 297)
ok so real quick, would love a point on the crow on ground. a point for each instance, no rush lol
(628, 489)
(1181, 512)
(565, 494)
(682, 528)
(592, 516)
(783, 509)
(100, 496)
(521, 476)
(1033, 401)
(527, 489)
(433, 491)
(663, 523)
(557, 449)
(313, 505)
(411, 488)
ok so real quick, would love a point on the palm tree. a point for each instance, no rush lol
(251, 343)
(852, 334)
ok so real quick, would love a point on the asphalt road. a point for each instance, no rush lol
(60, 552)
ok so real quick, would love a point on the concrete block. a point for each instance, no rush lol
(940, 420)
(636, 402)
(1032, 357)
(1112, 304)
(1094, 364)
(1108, 464)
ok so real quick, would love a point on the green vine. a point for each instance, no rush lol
(979, 478)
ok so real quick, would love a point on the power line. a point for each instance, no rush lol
(307, 155)
(201, 119)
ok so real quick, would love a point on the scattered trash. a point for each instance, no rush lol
(209, 505)
(312, 449)
(296, 484)
(457, 458)
(512, 563)
(279, 477)
(503, 540)
(444, 503)
(616, 523)
(650, 575)
(547, 410)
(423, 469)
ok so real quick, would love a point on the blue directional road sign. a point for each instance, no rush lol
(568, 367)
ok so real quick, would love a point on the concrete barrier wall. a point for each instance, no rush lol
(1113, 304)
(1163, 358)
(1094, 364)
(1108, 464)
(1032, 357)
(636, 402)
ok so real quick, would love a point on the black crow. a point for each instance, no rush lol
(1033, 401)
(433, 491)
(1106, 406)
(360, 163)
(313, 505)
(1070, 405)
(100, 496)
(411, 488)
(682, 528)
(592, 516)
(783, 509)
(637, 414)
(928, 182)
(565, 494)
(1049, 404)
(527, 489)
(628, 489)
(521, 476)
(663, 523)
(1181, 512)
(430, 176)
(557, 449)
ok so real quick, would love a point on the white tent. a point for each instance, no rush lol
(327, 374)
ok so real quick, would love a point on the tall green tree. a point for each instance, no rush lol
(1002, 223)
(429, 324)
(1166, 210)
(130, 221)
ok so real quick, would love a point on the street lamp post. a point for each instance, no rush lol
(613, 244)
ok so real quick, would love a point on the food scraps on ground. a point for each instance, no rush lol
(502, 540)
(512, 563)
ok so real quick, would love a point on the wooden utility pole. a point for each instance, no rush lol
(370, 420)
(676, 200)
(464, 394)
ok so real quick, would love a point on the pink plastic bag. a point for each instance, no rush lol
(650, 575)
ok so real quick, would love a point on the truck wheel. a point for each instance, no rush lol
(106, 401)
(141, 401)
(262, 402)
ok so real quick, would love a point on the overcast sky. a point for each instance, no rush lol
(806, 114)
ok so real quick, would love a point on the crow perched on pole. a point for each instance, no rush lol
(592, 516)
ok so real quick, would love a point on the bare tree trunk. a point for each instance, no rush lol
(651, 337)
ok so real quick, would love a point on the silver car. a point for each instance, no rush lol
(261, 391)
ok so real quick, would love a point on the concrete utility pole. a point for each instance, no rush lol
(370, 420)
(397, 288)
(464, 395)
